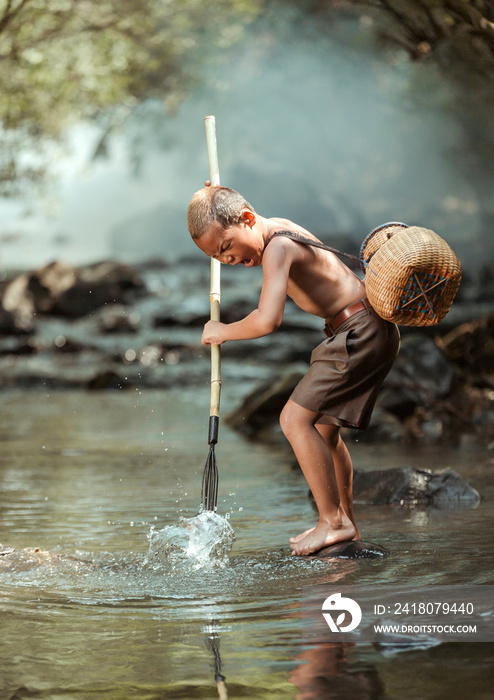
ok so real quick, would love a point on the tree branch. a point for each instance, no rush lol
(470, 15)
(438, 28)
(11, 12)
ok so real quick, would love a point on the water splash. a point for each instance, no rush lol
(203, 540)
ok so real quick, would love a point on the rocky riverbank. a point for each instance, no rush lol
(115, 326)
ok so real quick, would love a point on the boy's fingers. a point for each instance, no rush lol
(207, 183)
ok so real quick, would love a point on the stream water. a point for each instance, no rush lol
(102, 482)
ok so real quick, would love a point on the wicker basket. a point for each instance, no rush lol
(411, 274)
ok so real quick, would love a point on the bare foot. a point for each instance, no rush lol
(294, 540)
(298, 538)
(324, 535)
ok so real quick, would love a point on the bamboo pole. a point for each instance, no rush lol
(215, 289)
(209, 491)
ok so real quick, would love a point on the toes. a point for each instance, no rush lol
(300, 551)
(299, 538)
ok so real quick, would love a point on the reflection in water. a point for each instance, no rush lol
(213, 644)
(326, 672)
(84, 477)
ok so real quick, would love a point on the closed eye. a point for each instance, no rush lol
(223, 249)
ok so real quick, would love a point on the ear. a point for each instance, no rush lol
(248, 217)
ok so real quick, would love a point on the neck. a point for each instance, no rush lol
(267, 227)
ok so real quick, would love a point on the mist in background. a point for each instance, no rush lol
(308, 128)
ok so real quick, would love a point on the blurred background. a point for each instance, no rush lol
(339, 114)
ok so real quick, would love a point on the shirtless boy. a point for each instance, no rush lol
(347, 369)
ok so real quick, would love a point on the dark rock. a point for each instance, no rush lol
(351, 550)
(458, 315)
(237, 310)
(48, 283)
(420, 375)
(107, 380)
(413, 487)
(477, 284)
(262, 406)
(384, 426)
(24, 345)
(68, 345)
(483, 424)
(60, 289)
(96, 286)
(471, 346)
(118, 319)
(9, 324)
(184, 320)
(154, 263)
(280, 349)
(199, 314)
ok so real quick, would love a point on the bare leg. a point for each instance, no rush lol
(344, 473)
(343, 468)
(315, 458)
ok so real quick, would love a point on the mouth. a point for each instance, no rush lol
(248, 262)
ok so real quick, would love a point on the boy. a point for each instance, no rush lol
(346, 370)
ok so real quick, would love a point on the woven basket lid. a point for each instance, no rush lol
(376, 238)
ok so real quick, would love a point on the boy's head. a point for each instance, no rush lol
(210, 204)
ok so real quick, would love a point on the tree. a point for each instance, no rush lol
(456, 39)
(62, 61)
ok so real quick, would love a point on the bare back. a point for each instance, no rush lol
(318, 282)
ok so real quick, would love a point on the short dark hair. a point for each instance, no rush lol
(221, 204)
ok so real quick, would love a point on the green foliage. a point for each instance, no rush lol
(62, 61)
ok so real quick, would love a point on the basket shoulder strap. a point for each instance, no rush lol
(299, 238)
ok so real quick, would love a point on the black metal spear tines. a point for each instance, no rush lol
(209, 491)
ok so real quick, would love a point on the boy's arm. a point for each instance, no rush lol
(267, 317)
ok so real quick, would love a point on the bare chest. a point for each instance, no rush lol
(322, 285)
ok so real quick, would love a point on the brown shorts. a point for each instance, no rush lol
(347, 370)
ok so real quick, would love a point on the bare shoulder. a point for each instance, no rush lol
(284, 245)
(282, 250)
(276, 251)
(286, 224)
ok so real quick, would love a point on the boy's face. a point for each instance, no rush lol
(241, 244)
